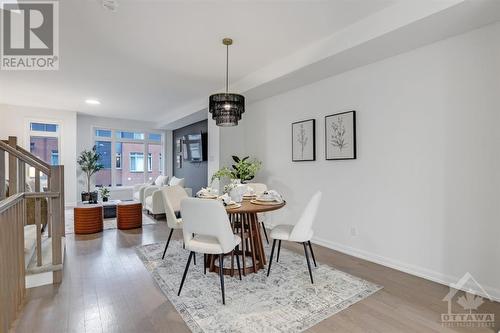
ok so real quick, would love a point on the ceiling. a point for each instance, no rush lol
(150, 58)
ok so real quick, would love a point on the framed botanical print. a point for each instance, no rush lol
(304, 140)
(340, 136)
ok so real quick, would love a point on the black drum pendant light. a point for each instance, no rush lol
(226, 108)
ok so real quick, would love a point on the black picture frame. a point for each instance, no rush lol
(353, 154)
(313, 134)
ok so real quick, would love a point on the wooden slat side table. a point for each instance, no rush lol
(88, 219)
(129, 215)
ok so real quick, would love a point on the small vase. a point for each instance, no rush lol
(237, 192)
(105, 199)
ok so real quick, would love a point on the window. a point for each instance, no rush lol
(130, 157)
(43, 141)
(54, 157)
(103, 133)
(154, 137)
(118, 162)
(136, 162)
(41, 127)
(129, 135)
(103, 177)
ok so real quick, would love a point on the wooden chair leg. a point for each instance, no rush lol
(279, 248)
(221, 274)
(168, 241)
(185, 272)
(308, 262)
(312, 254)
(271, 258)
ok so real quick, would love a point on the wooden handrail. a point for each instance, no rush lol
(13, 199)
(10, 201)
(41, 195)
(32, 161)
(27, 153)
(13, 218)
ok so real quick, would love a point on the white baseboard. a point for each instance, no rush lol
(424, 273)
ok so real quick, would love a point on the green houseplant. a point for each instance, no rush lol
(89, 162)
(242, 171)
(105, 193)
(245, 168)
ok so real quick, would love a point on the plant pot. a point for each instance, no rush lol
(85, 196)
(93, 197)
(105, 199)
(236, 193)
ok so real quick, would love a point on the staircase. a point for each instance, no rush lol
(26, 253)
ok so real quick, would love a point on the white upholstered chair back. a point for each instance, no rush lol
(172, 197)
(205, 217)
(258, 188)
(303, 229)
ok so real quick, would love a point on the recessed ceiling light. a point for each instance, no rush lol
(92, 101)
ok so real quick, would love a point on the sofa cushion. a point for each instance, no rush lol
(161, 181)
(176, 181)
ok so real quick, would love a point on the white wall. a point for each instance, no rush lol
(424, 192)
(14, 121)
(85, 138)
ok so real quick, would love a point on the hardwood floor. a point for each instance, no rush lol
(107, 289)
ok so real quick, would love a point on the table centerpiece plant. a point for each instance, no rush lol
(242, 171)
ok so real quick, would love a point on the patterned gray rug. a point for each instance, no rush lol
(284, 302)
(69, 219)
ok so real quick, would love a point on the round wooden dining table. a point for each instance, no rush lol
(245, 223)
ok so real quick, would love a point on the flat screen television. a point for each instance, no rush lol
(195, 147)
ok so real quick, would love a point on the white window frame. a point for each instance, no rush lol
(113, 139)
(56, 134)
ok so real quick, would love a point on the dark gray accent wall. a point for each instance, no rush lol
(195, 173)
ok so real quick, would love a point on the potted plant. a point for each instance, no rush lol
(245, 168)
(104, 193)
(89, 162)
(221, 174)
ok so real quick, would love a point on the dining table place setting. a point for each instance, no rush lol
(207, 193)
(271, 197)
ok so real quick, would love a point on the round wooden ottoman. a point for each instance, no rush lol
(129, 215)
(88, 219)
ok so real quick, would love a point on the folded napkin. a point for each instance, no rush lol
(206, 191)
(226, 199)
(274, 195)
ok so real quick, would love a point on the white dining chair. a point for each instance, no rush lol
(207, 230)
(260, 188)
(172, 197)
(301, 232)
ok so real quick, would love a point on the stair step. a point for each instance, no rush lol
(47, 265)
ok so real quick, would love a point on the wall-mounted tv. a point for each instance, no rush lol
(195, 147)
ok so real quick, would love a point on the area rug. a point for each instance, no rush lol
(286, 301)
(108, 223)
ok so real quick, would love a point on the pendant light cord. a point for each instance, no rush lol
(227, 67)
